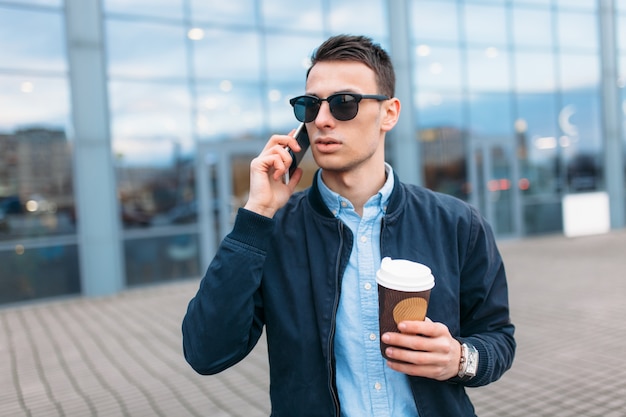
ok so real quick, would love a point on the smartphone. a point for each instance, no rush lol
(302, 137)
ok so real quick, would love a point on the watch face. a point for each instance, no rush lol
(472, 362)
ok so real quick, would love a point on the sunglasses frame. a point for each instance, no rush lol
(333, 109)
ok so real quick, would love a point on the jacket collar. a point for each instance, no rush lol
(317, 203)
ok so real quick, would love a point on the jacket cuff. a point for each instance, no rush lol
(252, 229)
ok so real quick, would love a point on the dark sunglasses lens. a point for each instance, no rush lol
(343, 106)
(306, 109)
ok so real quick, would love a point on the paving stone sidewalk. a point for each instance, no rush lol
(121, 355)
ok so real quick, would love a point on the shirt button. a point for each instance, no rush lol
(368, 286)
(372, 336)
(344, 204)
(377, 386)
(363, 239)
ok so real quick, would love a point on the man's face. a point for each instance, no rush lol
(352, 144)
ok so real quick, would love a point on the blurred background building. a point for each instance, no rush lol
(127, 126)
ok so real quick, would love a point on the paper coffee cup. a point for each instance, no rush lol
(403, 293)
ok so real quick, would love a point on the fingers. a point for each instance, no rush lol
(423, 349)
(275, 157)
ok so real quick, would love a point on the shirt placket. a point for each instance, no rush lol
(369, 307)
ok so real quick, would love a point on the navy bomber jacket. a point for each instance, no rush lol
(285, 274)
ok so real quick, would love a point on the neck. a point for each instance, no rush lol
(357, 187)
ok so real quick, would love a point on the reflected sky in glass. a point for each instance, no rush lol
(434, 21)
(27, 101)
(485, 25)
(288, 56)
(156, 50)
(488, 69)
(532, 28)
(171, 9)
(229, 110)
(579, 4)
(371, 18)
(579, 71)
(439, 109)
(438, 67)
(42, 2)
(577, 31)
(32, 40)
(228, 54)
(545, 3)
(147, 118)
(534, 72)
(490, 114)
(292, 15)
(240, 12)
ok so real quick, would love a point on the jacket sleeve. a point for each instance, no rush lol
(225, 320)
(485, 320)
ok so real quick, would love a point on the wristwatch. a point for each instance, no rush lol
(469, 362)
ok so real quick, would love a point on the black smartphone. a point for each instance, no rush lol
(302, 137)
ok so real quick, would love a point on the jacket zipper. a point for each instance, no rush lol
(331, 349)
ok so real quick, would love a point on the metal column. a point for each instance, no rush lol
(94, 176)
(405, 149)
(611, 115)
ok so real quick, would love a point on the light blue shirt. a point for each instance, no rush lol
(366, 385)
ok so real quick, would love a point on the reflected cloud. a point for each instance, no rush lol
(423, 50)
(195, 34)
(491, 52)
(565, 120)
(27, 87)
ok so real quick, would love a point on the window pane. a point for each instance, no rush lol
(534, 72)
(442, 139)
(490, 115)
(32, 40)
(37, 272)
(292, 15)
(488, 69)
(621, 31)
(228, 54)
(172, 9)
(438, 67)
(532, 27)
(371, 21)
(288, 57)
(434, 21)
(36, 190)
(577, 31)
(579, 71)
(230, 110)
(485, 25)
(546, 3)
(241, 12)
(281, 117)
(163, 258)
(579, 4)
(537, 139)
(152, 145)
(43, 2)
(156, 50)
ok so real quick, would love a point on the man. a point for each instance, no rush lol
(303, 266)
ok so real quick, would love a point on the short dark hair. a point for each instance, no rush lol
(359, 49)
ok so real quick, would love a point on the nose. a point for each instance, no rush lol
(324, 117)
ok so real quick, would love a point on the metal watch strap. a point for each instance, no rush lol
(469, 362)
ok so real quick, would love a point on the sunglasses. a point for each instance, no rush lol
(343, 106)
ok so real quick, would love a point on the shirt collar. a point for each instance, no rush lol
(336, 203)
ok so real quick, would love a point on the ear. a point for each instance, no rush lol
(391, 112)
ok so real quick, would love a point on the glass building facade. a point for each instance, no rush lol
(127, 127)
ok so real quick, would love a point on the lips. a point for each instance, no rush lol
(327, 144)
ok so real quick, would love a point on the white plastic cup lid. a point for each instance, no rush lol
(404, 275)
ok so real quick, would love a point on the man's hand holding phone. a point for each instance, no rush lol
(268, 190)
